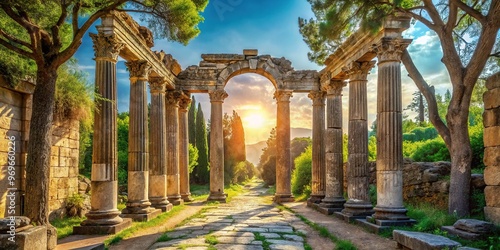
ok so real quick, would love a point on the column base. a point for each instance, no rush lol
(102, 229)
(216, 196)
(164, 207)
(176, 201)
(141, 217)
(331, 205)
(187, 197)
(282, 198)
(390, 213)
(161, 203)
(378, 226)
(358, 208)
(315, 199)
(102, 218)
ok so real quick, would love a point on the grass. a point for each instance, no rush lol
(137, 226)
(211, 239)
(65, 226)
(323, 231)
(265, 244)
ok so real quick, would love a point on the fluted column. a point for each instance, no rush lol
(138, 150)
(283, 166)
(158, 146)
(104, 177)
(334, 165)
(389, 130)
(216, 146)
(172, 117)
(318, 152)
(184, 148)
(358, 203)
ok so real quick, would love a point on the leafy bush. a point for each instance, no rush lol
(243, 171)
(193, 157)
(431, 151)
(301, 176)
(268, 172)
(477, 145)
(421, 134)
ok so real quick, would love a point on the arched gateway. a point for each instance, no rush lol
(158, 162)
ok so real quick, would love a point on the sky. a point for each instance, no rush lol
(271, 27)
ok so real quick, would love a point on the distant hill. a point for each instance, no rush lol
(254, 151)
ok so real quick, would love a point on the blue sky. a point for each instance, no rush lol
(271, 27)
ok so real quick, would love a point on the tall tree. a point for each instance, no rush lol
(201, 170)
(468, 33)
(267, 161)
(192, 122)
(418, 105)
(48, 33)
(237, 140)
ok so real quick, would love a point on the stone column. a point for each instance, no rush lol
(158, 146)
(138, 205)
(334, 165)
(184, 148)
(318, 152)
(389, 131)
(358, 203)
(172, 116)
(491, 139)
(216, 146)
(283, 166)
(104, 215)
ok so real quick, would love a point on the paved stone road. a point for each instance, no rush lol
(247, 222)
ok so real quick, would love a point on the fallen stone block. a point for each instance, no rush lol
(474, 226)
(422, 241)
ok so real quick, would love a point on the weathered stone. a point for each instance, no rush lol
(491, 117)
(492, 156)
(492, 214)
(293, 237)
(461, 233)
(492, 196)
(270, 235)
(492, 175)
(493, 81)
(235, 240)
(474, 226)
(34, 238)
(477, 181)
(250, 52)
(17, 222)
(492, 136)
(491, 99)
(422, 241)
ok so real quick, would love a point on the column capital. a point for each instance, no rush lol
(390, 49)
(358, 70)
(335, 87)
(283, 95)
(217, 95)
(139, 69)
(318, 97)
(106, 47)
(184, 103)
(157, 85)
(173, 97)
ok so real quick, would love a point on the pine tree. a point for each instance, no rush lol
(237, 140)
(192, 122)
(201, 171)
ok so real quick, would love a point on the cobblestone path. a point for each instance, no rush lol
(248, 222)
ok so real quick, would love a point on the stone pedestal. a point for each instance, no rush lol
(334, 173)
(216, 146)
(104, 195)
(173, 178)
(158, 146)
(492, 149)
(390, 208)
(138, 205)
(184, 148)
(359, 204)
(318, 152)
(283, 166)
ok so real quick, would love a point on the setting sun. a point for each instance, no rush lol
(253, 121)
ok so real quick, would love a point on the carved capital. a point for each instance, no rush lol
(173, 97)
(184, 103)
(283, 95)
(217, 95)
(157, 85)
(335, 87)
(138, 69)
(318, 98)
(390, 49)
(358, 70)
(106, 47)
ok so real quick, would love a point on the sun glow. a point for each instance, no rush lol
(253, 120)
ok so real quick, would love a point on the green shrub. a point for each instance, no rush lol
(193, 157)
(477, 145)
(243, 171)
(431, 151)
(301, 176)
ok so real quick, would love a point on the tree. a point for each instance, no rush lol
(468, 33)
(267, 161)
(237, 140)
(193, 157)
(192, 122)
(48, 33)
(201, 170)
(418, 105)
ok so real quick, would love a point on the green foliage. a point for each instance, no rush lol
(297, 147)
(478, 202)
(65, 226)
(267, 162)
(420, 134)
(193, 157)
(429, 218)
(477, 146)
(200, 173)
(301, 176)
(431, 151)
(372, 148)
(192, 122)
(372, 193)
(76, 200)
(211, 239)
(243, 171)
(123, 129)
(234, 147)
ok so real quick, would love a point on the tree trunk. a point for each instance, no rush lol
(461, 157)
(39, 146)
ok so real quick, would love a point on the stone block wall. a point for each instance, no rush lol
(491, 120)
(15, 114)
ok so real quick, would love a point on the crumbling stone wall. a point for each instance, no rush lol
(491, 120)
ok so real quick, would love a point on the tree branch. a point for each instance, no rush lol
(469, 10)
(74, 17)
(16, 49)
(419, 18)
(452, 17)
(428, 92)
(433, 13)
(15, 40)
(17, 18)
